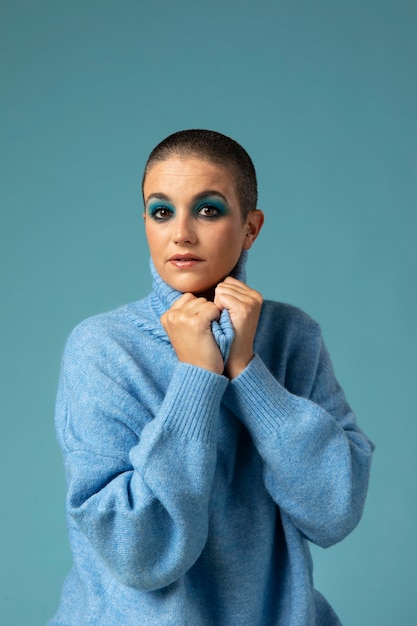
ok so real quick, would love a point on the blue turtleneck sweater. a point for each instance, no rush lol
(191, 497)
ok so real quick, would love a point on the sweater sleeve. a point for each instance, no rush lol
(316, 459)
(139, 481)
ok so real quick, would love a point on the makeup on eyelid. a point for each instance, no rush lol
(220, 206)
(154, 205)
(209, 202)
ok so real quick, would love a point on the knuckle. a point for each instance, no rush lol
(258, 297)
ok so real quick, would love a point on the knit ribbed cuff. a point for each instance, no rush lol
(259, 400)
(192, 403)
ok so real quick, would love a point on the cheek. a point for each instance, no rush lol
(230, 234)
(153, 236)
(234, 238)
(229, 245)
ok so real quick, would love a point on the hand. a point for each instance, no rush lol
(244, 306)
(188, 326)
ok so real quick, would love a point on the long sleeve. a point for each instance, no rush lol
(139, 463)
(316, 459)
(169, 466)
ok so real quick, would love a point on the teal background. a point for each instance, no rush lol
(324, 97)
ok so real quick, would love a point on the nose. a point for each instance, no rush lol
(183, 230)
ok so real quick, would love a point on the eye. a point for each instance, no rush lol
(161, 213)
(208, 210)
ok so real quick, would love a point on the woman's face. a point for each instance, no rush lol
(193, 223)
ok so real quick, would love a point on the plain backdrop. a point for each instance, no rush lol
(323, 95)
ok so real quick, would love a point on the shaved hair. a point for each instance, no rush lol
(215, 148)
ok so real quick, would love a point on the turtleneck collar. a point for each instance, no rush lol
(164, 296)
(168, 295)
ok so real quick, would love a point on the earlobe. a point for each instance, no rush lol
(248, 240)
(254, 224)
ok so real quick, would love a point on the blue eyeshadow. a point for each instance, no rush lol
(154, 206)
(222, 208)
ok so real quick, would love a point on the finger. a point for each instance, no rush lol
(236, 292)
(231, 280)
(193, 308)
(227, 293)
(231, 284)
(182, 300)
(200, 306)
(208, 310)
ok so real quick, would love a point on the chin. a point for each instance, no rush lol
(198, 288)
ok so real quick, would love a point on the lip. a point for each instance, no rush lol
(185, 257)
(185, 260)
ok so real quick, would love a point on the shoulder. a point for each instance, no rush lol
(108, 322)
(289, 342)
(287, 319)
(106, 333)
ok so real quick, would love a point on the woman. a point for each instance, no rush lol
(205, 437)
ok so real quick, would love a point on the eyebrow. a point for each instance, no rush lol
(157, 196)
(203, 194)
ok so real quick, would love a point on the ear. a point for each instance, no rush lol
(253, 225)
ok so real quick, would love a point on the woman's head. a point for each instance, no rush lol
(194, 221)
(216, 148)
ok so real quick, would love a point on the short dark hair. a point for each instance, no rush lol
(217, 148)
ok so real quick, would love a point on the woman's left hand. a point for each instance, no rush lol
(244, 306)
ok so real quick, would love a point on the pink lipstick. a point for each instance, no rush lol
(185, 260)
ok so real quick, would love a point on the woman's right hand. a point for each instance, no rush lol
(188, 326)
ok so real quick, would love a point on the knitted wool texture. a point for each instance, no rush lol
(223, 329)
(191, 497)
